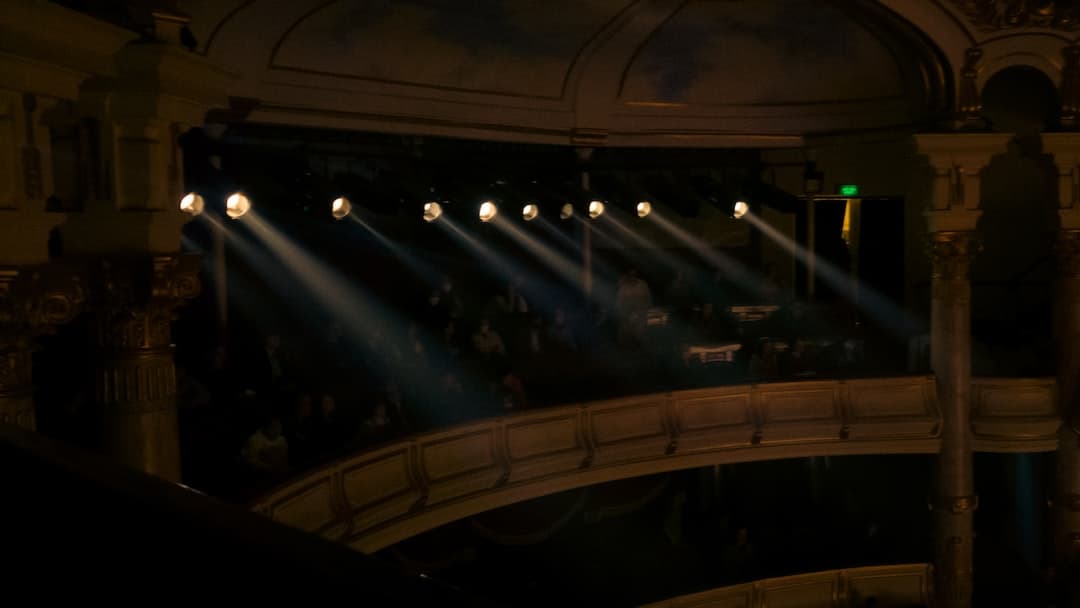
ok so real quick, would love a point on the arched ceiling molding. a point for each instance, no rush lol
(945, 26)
(598, 75)
(245, 35)
(1042, 51)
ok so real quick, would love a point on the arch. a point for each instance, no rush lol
(379, 497)
(1040, 51)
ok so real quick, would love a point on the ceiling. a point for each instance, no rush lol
(615, 72)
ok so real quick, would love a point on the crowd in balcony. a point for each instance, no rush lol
(290, 400)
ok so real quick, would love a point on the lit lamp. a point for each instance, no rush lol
(566, 212)
(596, 209)
(530, 212)
(644, 208)
(237, 205)
(488, 211)
(432, 211)
(740, 209)
(340, 208)
(192, 204)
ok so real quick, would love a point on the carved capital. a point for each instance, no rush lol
(135, 300)
(34, 300)
(995, 15)
(1068, 254)
(952, 253)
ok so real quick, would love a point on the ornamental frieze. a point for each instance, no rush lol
(992, 15)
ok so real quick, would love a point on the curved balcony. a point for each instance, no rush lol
(381, 496)
(900, 585)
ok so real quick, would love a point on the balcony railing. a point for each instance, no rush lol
(901, 585)
(381, 496)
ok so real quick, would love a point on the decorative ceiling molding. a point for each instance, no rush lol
(994, 15)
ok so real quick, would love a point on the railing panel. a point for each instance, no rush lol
(714, 419)
(800, 411)
(545, 443)
(1015, 414)
(628, 429)
(460, 461)
(890, 408)
(381, 487)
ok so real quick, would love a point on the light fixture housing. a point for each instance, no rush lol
(740, 209)
(432, 211)
(192, 204)
(644, 208)
(340, 208)
(530, 212)
(488, 211)
(237, 205)
(566, 212)
(596, 209)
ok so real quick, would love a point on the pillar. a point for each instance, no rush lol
(957, 161)
(1065, 492)
(134, 374)
(950, 356)
(129, 237)
(37, 94)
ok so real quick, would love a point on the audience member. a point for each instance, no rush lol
(559, 333)
(486, 342)
(267, 450)
(632, 302)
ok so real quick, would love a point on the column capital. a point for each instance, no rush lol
(952, 253)
(139, 295)
(34, 300)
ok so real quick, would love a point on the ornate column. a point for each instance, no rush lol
(134, 375)
(33, 301)
(129, 233)
(1065, 495)
(957, 161)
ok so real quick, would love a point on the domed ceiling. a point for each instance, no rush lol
(629, 72)
(781, 51)
(496, 46)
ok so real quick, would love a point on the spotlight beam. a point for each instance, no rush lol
(656, 251)
(415, 264)
(877, 306)
(569, 271)
(734, 270)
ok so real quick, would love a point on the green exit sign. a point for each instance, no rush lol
(849, 189)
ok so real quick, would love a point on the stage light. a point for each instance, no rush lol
(237, 205)
(432, 211)
(644, 208)
(488, 211)
(740, 209)
(530, 212)
(567, 211)
(192, 204)
(340, 208)
(596, 209)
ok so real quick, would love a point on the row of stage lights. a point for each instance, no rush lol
(237, 205)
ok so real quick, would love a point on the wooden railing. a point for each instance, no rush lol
(903, 585)
(1014, 414)
(384, 495)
